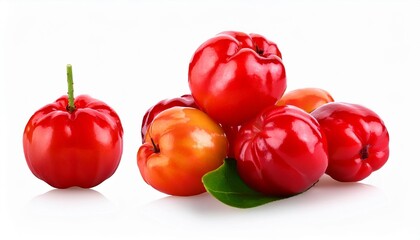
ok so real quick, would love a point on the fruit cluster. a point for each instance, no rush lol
(281, 142)
(238, 134)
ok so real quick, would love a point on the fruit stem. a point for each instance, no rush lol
(70, 90)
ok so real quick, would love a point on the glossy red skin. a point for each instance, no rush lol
(233, 70)
(184, 101)
(231, 132)
(82, 148)
(282, 152)
(358, 141)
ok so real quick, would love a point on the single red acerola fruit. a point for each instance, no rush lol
(358, 141)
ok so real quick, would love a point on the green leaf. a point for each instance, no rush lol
(225, 185)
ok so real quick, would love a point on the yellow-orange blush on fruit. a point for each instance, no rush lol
(307, 99)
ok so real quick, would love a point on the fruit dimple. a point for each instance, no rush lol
(364, 152)
(259, 51)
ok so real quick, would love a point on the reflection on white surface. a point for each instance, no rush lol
(72, 202)
(327, 201)
(329, 204)
(327, 208)
(73, 213)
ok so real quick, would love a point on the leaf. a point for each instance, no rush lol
(226, 186)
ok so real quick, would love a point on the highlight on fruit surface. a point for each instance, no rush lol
(307, 99)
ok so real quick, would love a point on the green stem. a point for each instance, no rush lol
(70, 90)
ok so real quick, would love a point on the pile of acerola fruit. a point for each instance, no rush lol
(282, 142)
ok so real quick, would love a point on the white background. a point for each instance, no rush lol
(132, 54)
